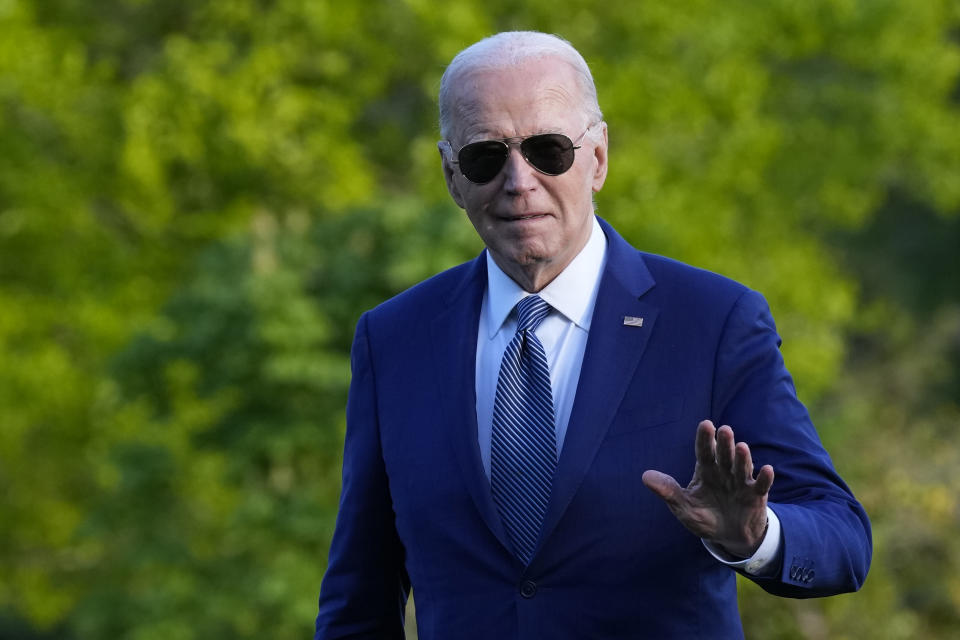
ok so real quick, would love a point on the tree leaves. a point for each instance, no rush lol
(197, 201)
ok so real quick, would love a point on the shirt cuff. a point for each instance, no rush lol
(766, 555)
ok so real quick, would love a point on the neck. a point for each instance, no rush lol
(535, 274)
(531, 277)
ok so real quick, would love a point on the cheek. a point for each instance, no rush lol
(577, 202)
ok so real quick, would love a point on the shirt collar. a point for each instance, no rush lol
(573, 292)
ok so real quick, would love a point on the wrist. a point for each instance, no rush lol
(766, 557)
(748, 549)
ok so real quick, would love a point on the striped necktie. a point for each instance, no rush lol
(523, 449)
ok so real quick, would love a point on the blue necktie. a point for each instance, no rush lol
(523, 449)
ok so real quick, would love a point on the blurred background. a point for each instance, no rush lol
(199, 198)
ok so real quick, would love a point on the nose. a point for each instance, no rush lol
(519, 176)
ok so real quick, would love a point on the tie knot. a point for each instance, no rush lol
(530, 313)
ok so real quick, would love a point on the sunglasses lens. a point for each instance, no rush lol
(550, 153)
(480, 162)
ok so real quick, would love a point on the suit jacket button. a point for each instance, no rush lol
(528, 588)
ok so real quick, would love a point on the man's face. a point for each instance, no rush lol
(533, 224)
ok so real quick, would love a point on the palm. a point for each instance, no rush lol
(723, 502)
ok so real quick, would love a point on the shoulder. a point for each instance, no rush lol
(659, 279)
(675, 278)
(705, 304)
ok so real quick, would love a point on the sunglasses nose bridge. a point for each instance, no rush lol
(519, 172)
(513, 148)
(517, 148)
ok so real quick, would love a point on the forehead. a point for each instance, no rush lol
(535, 97)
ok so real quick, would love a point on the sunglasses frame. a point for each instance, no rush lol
(519, 141)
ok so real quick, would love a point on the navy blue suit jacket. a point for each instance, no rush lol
(612, 561)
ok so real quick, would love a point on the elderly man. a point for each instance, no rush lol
(516, 424)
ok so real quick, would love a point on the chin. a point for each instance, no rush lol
(528, 256)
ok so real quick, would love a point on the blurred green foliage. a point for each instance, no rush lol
(198, 199)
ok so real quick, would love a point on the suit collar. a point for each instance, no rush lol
(625, 264)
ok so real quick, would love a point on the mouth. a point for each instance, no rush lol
(525, 217)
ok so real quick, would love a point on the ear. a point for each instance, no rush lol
(600, 156)
(450, 172)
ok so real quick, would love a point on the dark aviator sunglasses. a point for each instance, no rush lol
(548, 153)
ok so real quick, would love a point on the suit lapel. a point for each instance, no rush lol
(454, 337)
(613, 352)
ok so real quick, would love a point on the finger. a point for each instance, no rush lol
(706, 447)
(663, 485)
(725, 448)
(743, 463)
(764, 480)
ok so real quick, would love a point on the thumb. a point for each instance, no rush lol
(662, 484)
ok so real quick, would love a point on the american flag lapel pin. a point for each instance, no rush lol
(631, 321)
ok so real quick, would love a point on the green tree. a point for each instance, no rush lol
(198, 199)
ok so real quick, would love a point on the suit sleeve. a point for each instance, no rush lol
(365, 587)
(825, 533)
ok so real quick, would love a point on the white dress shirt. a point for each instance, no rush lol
(571, 296)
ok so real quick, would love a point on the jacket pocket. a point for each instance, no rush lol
(653, 413)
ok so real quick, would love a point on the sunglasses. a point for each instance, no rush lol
(548, 153)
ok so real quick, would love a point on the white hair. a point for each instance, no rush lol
(511, 49)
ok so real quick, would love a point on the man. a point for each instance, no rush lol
(513, 456)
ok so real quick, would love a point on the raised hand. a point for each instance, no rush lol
(723, 503)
